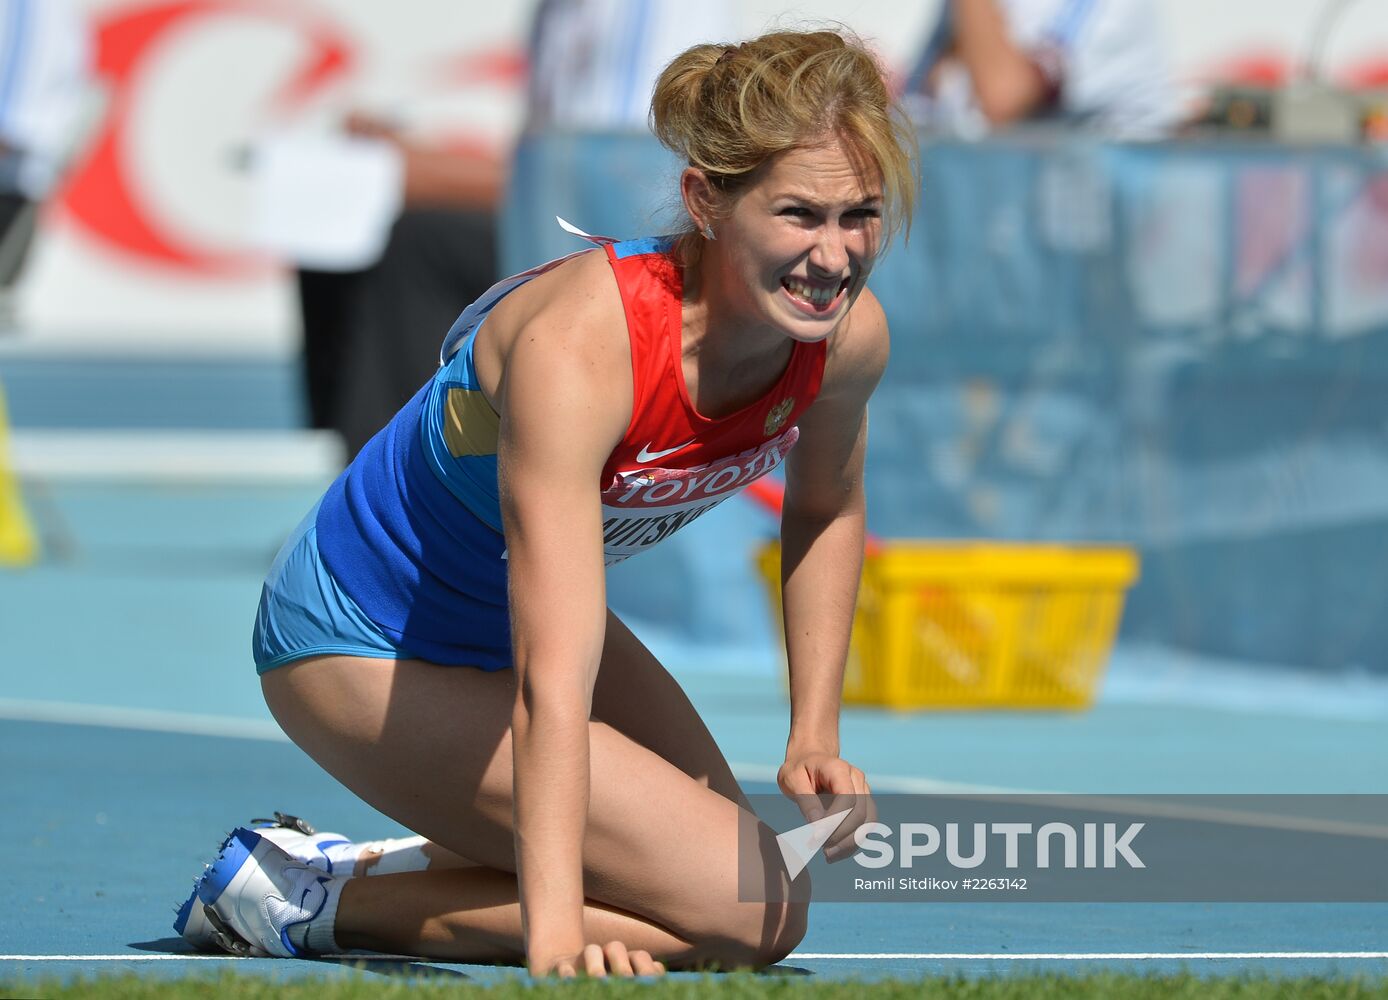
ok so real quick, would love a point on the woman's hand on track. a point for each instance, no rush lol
(822, 784)
(600, 961)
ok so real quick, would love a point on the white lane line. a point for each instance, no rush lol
(117, 958)
(896, 784)
(160, 721)
(1123, 956)
(145, 719)
(153, 720)
(892, 783)
(172, 456)
(196, 958)
(961, 956)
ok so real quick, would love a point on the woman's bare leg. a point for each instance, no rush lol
(639, 698)
(430, 746)
(473, 915)
(636, 695)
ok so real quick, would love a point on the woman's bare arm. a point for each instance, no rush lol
(562, 407)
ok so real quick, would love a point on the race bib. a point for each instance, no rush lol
(646, 506)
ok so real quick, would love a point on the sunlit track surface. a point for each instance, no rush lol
(133, 736)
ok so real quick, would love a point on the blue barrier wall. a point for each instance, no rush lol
(1182, 347)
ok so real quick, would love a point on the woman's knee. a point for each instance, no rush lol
(794, 922)
(768, 916)
(754, 935)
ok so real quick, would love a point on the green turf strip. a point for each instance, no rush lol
(738, 987)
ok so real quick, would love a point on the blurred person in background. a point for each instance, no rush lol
(371, 335)
(594, 63)
(45, 78)
(991, 64)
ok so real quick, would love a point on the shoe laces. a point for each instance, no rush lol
(289, 822)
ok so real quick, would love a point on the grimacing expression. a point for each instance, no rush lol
(802, 238)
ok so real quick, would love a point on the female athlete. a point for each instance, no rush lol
(435, 635)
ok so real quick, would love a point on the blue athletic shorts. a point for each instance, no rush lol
(303, 612)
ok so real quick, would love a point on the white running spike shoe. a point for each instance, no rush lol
(292, 835)
(258, 898)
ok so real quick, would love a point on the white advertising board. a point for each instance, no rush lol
(147, 246)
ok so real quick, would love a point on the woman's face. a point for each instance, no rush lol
(801, 240)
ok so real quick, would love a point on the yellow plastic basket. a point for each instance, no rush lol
(980, 625)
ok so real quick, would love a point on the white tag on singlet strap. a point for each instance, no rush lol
(570, 228)
(473, 314)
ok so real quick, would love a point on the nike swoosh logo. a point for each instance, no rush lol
(645, 455)
(303, 900)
